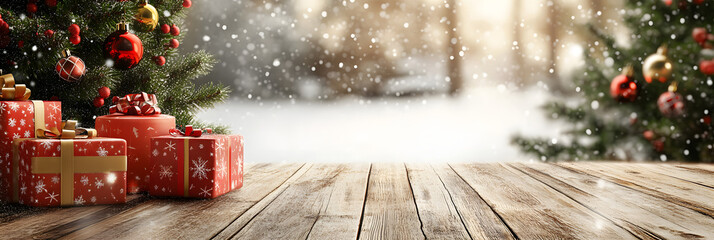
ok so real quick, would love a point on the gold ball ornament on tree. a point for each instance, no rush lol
(657, 66)
(147, 18)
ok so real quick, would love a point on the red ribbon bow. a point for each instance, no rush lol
(135, 104)
(190, 132)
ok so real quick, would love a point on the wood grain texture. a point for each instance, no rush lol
(693, 174)
(190, 218)
(687, 194)
(390, 211)
(437, 211)
(643, 215)
(325, 203)
(480, 220)
(532, 209)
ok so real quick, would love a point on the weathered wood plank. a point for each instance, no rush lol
(685, 172)
(325, 203)
(687, 194)
(480, 220)
(190, 218)
(44, 222)
(643, 215)
(390, 211)
(532, 209)
(437, 212)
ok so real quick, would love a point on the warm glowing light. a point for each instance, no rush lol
(111, 178)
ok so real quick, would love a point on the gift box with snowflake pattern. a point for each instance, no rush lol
(198, 167)
(67, 172)
(20, 119)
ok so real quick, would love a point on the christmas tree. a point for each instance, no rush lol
(628, 117)
(34, 34)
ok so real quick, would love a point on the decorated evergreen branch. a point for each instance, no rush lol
(661, 109)
(104, 54)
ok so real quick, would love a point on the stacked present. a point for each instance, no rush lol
(45, 161)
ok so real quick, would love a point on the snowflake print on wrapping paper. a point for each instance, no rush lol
(206, 192)
(199, 168)
(27, 134)
(2, 107)
(55, 179)
(15, 136)
(12, 122)
(30, 109)
(23, 189)
(40, 186)
(22, 122)
(55, 107)
(170, 146)
(13, 106)
(52, 197)
(98, 182)
(222, 169)
(102, 152)
(79, 200)
(93, 199)
(155, 152)
(165, 172)
(84, 180)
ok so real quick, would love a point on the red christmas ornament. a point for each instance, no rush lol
(671, 103)
(700, 35)
(649, 135)
(658, 145)
(51, 3)
(75, 39)
(165, 28)
(175, 30)
(623, 87)
(49, 33)
(20, 44)
(4, 28)
(707, 67)
(174, 43)
(159, 60)
(104, 92)
(124, 48)
(187, 3)
(98, 102)
(70, 68)
(31, 8)
(73, 29)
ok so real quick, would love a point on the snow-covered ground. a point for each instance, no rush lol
(474, 127)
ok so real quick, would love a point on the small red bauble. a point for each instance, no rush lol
(700, 34)
(75, 39)
(104, 92)
(4, 28)
(623, 87)
(707, 67)
(671, 104)
(98, 102)
(70, 68)
(159, 60)
(73, 29)
(51, 3)
(124, 48)
(31, 8)
(165, 28)
(49, 33)
(658, 145)
(20, 44)
(649, 135)
(175, 30)
(187, 3)
(174, 43)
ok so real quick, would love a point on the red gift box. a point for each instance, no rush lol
(66, 172)
(200, 167)
(20, 119)
(137, 131)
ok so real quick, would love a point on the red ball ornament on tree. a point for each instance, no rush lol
(31, 8)
(70, 68)
(707, 67)
(623, 87)
(104, 92)
(49, 33)
(671, 103)
(75, 39)
(649, 135)
(175, 30)
(4, 28)
(187, 3)
(51, 3)
(124, 48)
(658, 145)
(174, 43)
(159, 60)
(700, 35)
(73, 29)
(98, 102)
(165, 28)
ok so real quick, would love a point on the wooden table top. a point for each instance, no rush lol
(408, 201)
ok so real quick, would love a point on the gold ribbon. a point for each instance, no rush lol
(12, 91)
(69, 131)
(39, 114)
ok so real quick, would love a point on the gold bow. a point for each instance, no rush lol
(69, 131)
(12, 91)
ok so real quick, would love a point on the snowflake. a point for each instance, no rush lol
(165, 172)
(13, 106)
(206, 192)
(40, 186)
(199, 168)
(30, 109)
(79, 200)
(52, 116)
(22, 122)
(222, 169)
(12, 122)
(55, 107)
(52, 197)
(200, 146)
(102, 152)
(98, 183)
(55, 179)
(23, 189)
(155, 152)
(93, 199)
(27, 134)
(170, 146)
(84, 180)
(15, 136)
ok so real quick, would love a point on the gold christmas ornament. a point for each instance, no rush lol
(657, 66)
(147, 17)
